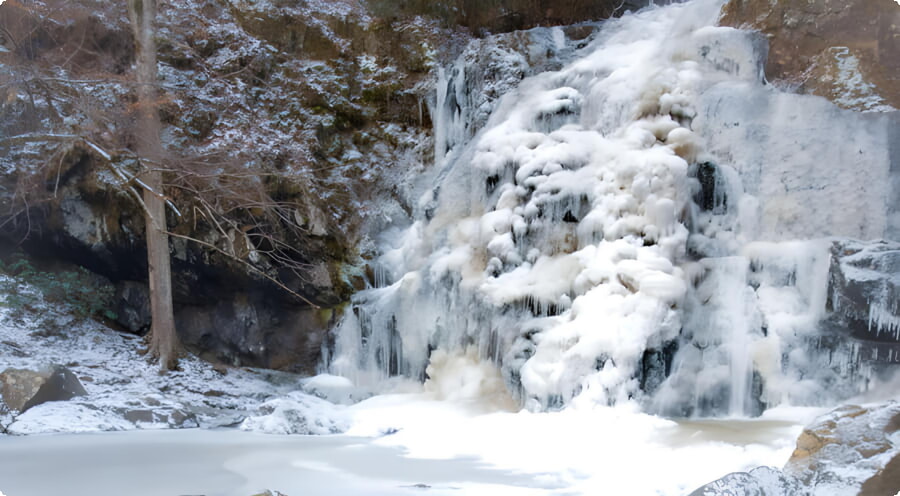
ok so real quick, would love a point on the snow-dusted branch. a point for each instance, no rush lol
(247, 264)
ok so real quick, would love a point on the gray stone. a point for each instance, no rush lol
(22, 389)
(173, 417)
(180, 419)
(17, 386)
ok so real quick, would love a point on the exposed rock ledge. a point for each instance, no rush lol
(845, 50)
(848, 450)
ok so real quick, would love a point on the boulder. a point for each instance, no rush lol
(175, 418)
(22, 389)
(843, 452)
(297, 413)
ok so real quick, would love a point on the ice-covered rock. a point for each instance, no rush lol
(761, 481)
(848, 450)
(22, 389)
(296, 413)
(864, 293)
(844, 448)
(333, 388)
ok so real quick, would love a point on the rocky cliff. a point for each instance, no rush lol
(846, 51)
(294, 133)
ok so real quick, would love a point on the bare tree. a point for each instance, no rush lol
(163, 339)
(258, 220)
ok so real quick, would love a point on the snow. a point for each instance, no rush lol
(853, 90)
(297, 413)
(126, 391)
(463, 417)
(591, 450)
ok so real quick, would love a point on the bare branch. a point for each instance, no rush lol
(245, 263)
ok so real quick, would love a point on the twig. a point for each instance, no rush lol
(248, 264)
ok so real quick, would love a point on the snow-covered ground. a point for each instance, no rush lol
(126, 391)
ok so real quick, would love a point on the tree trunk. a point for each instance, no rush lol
(163, 339)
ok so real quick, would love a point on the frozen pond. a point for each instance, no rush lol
(228, 463)
(436, 450)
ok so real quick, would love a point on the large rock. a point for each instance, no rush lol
(838, 452)
(886, 481)
(22, 389)
(847, 51)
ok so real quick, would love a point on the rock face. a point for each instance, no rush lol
(323, 109)
(498, 16)
(22, 389)
(864, 295)
(846, 51)
(246, 329)
(320, 111)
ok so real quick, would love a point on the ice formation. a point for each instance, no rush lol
(646, 223)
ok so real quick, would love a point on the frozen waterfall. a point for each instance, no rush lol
(639, 217)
